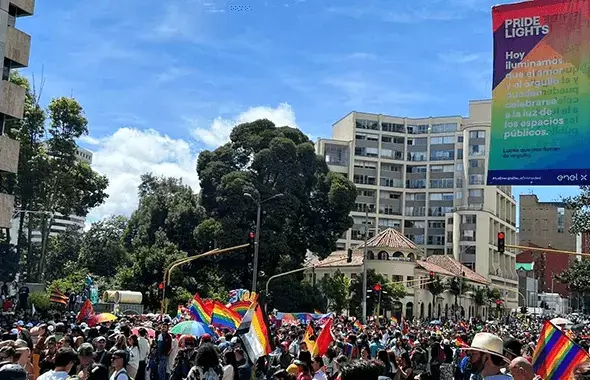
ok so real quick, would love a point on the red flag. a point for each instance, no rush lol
(85, 312)
(323, 341)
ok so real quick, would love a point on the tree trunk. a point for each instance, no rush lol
(44, 238)
(30, 247)
(19, 237)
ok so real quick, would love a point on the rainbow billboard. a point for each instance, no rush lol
(541, 94)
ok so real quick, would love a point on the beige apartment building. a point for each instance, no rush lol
(15, 47)
(425, 177)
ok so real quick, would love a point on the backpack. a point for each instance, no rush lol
(210, 374)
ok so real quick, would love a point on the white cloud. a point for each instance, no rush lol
(127, 154)
(218, 132)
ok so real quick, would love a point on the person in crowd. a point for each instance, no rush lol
(98, 372)
(144, 350)
(13, 372)
(361, 369)
(521, 369)
(163, 348)
(101, 355)
(207, 365)
(65, 359)
(486, 356)
(120, 358)
(317, 366)
(133, 364)
(230, 368)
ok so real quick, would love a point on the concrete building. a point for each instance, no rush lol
(426, 178)
(15, 47)
(527, 285)
(60, 222)
(398, 259)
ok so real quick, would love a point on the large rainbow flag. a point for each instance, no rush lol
(240, 307)
(199, 311)
(223, 317)
(556, 356)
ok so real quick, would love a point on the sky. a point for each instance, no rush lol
(160, 81)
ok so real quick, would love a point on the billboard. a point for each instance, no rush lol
(541, 94)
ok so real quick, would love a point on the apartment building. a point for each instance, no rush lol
(15, 47)
(547, 224)
(60, 222)
(426, 178)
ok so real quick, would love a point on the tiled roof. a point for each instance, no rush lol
(338, 259)
(433, 268)
(448, 263)
(525, 266)
(389, 239)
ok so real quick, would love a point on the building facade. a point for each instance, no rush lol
(60, 223)
(15, 47)
(426, 178)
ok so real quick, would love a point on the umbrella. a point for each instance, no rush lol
(561, 321)
(151, 332)
(191, 328)
(101, 318)
(436, 322)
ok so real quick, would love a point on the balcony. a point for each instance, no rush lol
(6, 209)
(24, 7)
(18, 47)
(9, 151)
(12, 102)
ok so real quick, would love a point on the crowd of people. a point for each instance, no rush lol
(141, 347)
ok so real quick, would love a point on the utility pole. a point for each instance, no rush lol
(365, 254)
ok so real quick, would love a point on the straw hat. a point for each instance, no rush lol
(487, 343)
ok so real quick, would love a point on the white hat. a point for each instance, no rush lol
(487, 343)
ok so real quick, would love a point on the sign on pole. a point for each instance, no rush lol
(540, 131)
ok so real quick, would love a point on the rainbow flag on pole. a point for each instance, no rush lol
(556, 356)
(199, 311)
(223, 317)
(240, 307)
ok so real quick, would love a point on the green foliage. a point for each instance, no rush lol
(577, 276)
(336, 288)
(458, 286)
(580, 206)
(41, 302)
(394, 292)
(102, 250)
(73, 282)
(62, 253)
(291, 294)
(435, 287)
(264, 160)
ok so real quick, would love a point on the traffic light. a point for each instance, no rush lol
(431, 275)
(161, 287)
(349, 257)
(377, 287)
(251, 241)
(501, 242)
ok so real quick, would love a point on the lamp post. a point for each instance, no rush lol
(257, 237)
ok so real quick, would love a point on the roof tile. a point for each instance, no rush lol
(456, 268)
(389, 238)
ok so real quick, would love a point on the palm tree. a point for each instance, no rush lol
(480, 296)
(435, 288)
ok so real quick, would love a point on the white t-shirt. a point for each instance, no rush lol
(53, 375)
(144, 348)
(228, 373)
(134, 357)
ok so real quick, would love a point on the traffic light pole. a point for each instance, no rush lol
(216, 251)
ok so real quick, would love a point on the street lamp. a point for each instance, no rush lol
(257, 237)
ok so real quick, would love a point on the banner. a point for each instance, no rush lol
(237, 295)
(541, 92)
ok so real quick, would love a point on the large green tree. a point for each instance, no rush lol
(50, 180)
(62, 253)
(264, 160)
(336, 288)
(391, 292)
(102, 251)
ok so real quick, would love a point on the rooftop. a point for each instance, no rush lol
(456, 268)
(390, 239)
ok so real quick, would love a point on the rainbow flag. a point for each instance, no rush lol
(256, 340)
(223, 317)
(240, 307)
(316, 311)
(394, 320)
(357, 325)
(198, 310)
(556, 356)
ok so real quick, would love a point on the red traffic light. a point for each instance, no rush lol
(431, 274)
(252, 235)
(161, 285)
(501, 235)
(377, 287)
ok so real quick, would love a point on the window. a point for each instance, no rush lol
(442, 168)
(369, 152)
(476, 193)
(560, 220)
(363, 207)
(397, 278)
(393, 127)
(442, 140)
(367, 124)
(477, 150)
(441, 183)
(416, 184)
(415, 211)
(415, 224)
(415, 169)
(436, 224)
(436, 239)
(458, 194)
(459, 139)
(365, 164)
(459, 182)
(389, 195)
(418, 239)
(393, 139)
(336, 155)
(460, 167)
(367, 136)
(476, 179)
(439, 211)
(393, 223)
(477, 134)
(391, 167)
(441, 196)
(392, 182)
(364, 179)
(366, 193)
(439, 155)
(459, 154)
(393, 154)
(468, 219)
(418, 141)
(416, 196)
(410, 281)
(444, 127)
(418, 129)
(390, 209)
(417, 156)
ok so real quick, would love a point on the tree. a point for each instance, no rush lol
(391, 292)
(102, 250)
(458, 286)
(336, 288)
(480, 296)
(577, 277)
(264, 160)
(294, 294)
(579, 204)
(62, 253)
(435, 288)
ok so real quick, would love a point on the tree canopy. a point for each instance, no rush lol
(391, 292)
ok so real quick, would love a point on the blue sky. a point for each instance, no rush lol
(162, 80)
